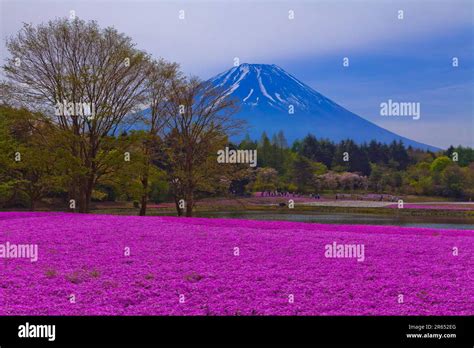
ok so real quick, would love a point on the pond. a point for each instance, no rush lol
(442, 222)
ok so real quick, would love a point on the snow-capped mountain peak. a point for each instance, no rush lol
(267, 86)
(271, 100)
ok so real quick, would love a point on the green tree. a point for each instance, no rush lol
(266, 179)
(452, 180)
(439, 164)
(99, 67)
(303, 173)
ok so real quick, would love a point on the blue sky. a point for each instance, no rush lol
(418, 70)
(405, 60)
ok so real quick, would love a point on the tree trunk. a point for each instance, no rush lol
(72, 194)
(189, 204)
(144, 198)
(89, 189)
(178, 209)
(88, 199)
(143, 203)
(32, 205)
(82, 197)
(85, 194)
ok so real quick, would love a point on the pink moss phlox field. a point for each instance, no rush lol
(83, 256)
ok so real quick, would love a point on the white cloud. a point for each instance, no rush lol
(214, 32)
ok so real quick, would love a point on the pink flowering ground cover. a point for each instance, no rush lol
(190, 266)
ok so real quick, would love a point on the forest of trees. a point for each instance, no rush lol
(315, 165)
(154, 134)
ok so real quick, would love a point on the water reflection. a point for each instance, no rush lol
(441, 222)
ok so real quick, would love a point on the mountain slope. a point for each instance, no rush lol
(267, 94)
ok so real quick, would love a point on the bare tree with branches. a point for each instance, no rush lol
(199, 124)
(160, 78)
(73, 61)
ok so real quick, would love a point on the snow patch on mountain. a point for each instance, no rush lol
(248, 96)
(262, 87)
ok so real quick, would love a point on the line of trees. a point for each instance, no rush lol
(73, 62)
(313, 165)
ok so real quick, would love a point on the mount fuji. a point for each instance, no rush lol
(267, 94)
